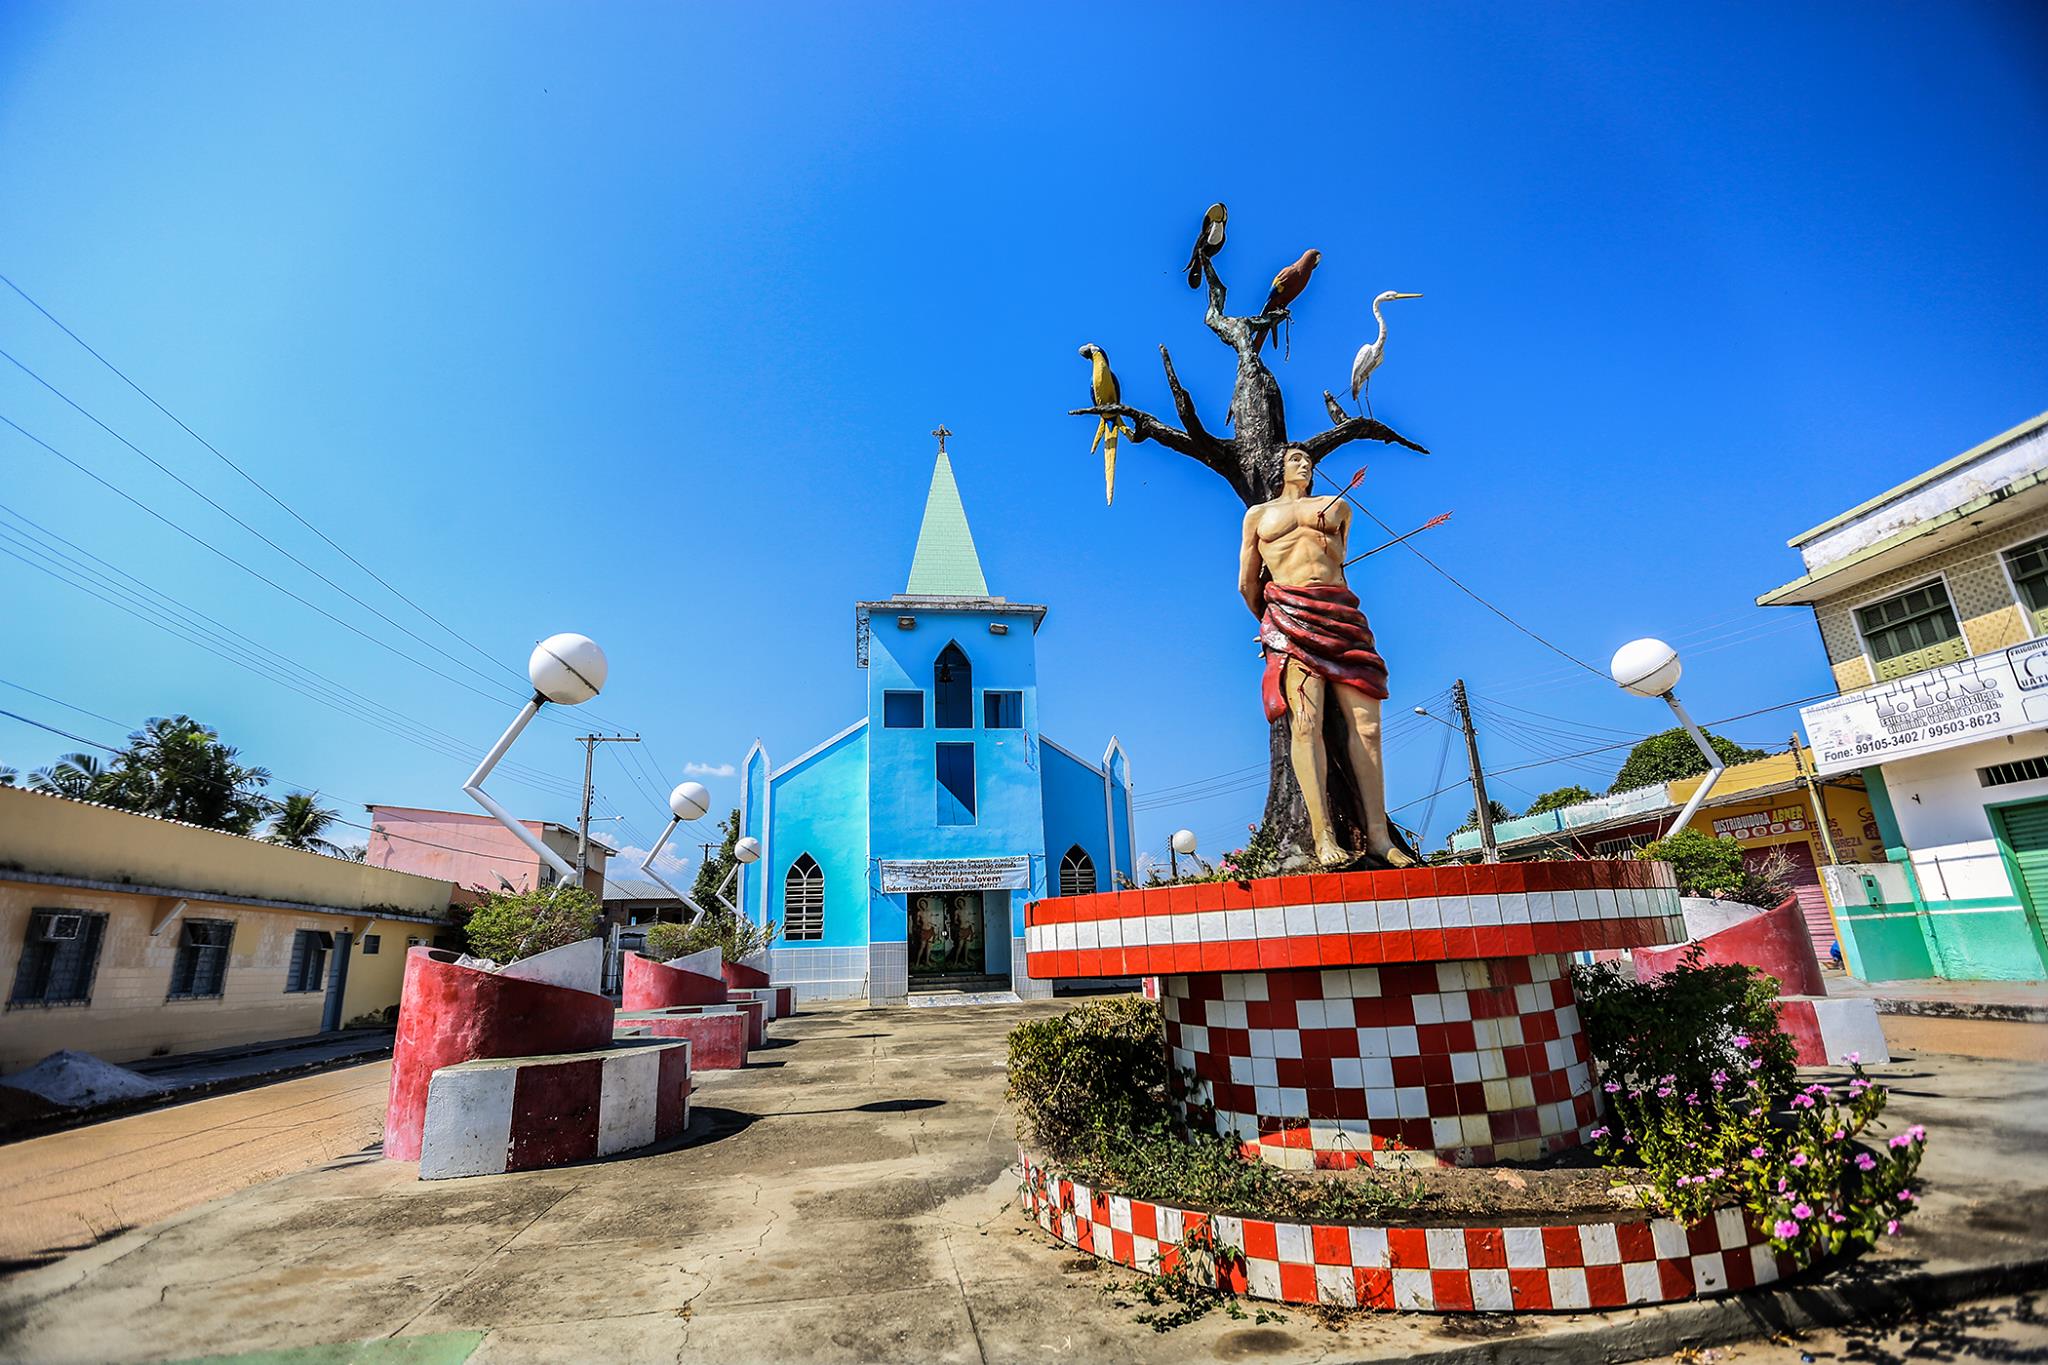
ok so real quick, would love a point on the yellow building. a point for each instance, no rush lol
(128, 936)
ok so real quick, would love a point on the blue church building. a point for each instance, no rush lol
(899, 853)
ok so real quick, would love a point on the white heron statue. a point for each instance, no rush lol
(1373, 352)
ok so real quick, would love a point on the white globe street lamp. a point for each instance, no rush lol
(1183, 841)
(688, 801)
(566, 669)
(1650, 668)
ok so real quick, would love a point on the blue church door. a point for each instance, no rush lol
(946, 933)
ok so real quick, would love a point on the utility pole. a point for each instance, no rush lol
(1813, 794)
(590, 743)
(1489, 850)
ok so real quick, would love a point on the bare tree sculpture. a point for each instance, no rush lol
(1249, 461)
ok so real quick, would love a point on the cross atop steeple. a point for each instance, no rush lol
(942, 434)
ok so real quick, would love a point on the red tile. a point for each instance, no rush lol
(1561, 1247)
(1452, 1290)
(1530, 1290)
(1261, 1240)
(1209, 895)
(1461, 944)
(1429, 944)
(1297, 1282)
(1453, 881)
(1674, 1277)
(1482, 879)
(1485, 1249)
(1605, 1287)
(1268, 892)
(1327, 888)
(1244, 955)
(1180, 900)
(1215, 957)
(1407, 1249)
(1232, 1276)
(1375, 1286)
(1417, 882)
(1398, 946)
(1120, 1248)
(1144, 1219)
(1332, 1245)
(1238, 895)
(1297, 891)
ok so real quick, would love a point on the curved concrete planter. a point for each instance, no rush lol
(1485, 1269)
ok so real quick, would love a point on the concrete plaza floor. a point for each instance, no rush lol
(849, 1198)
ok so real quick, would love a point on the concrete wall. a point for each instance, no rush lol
(57, 837)
(1978, 586)
(471, 850)
(1075, 798)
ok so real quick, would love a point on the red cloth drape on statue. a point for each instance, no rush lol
(1320, 627)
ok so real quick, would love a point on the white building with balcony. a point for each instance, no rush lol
(1932, 603)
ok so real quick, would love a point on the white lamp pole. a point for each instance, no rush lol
(687, 802)
(1650, 668)
(745, 849)
(1183, 841)
(565, 669)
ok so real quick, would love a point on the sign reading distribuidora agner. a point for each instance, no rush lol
(955, 874)
(1982, 697)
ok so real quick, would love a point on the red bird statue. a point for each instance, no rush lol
(1288, 284)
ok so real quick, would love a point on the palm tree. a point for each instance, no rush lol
(9, 776)
(76, 775)
(299, 820)
(177, 768)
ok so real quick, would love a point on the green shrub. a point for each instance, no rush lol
(511, 925)
(1684, 1024)
(736, 939)
(1703, 864)
(1090, 1088)
(1100, 1066)
(1701, 1094)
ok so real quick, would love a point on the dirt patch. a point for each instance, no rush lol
(1466, 1194)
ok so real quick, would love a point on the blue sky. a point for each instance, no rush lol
(633, 320)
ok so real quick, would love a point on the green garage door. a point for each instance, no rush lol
(2023, 828)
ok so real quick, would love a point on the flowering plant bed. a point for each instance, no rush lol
(1488, 1266)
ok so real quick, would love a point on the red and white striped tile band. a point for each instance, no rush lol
(1446, 1063)
(1572, 1267)
(1356, 919)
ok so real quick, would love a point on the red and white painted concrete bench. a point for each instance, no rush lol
(1421, 1016)
(494, 1115)
(720, 1034)
(1824, 1031)
(692, 980)
(752, 975)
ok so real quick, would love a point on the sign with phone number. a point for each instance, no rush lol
(1983, 697)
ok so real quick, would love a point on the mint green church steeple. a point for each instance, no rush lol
(945, 564)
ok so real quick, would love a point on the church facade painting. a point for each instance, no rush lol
(902, 850)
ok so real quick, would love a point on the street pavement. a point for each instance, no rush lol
(848, 1198)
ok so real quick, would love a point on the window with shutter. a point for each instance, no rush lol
(1912, 630)
(803, 900)
(200, 968)
(58, 959)
(1077, 872)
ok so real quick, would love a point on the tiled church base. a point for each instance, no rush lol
(1486, 1269)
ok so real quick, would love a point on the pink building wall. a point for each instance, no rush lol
(472, 851)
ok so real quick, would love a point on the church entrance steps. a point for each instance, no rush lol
(970, 982)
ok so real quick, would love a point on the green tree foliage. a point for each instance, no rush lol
(1704, 865)
(711, 873)
(300, 821)
(1671, 756)
(510, 925)
(736, 939)
(177, 768)
(81, 776)
(1558, 799)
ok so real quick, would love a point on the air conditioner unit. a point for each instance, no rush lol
(62, 928)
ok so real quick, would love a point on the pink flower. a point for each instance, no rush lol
(1802, 1101)
(1720, 1077)
(1838, 1135)
(1612, 1087)
(1834, 1217)
(1756, 1154)
(1917, 1133)
(1663, 1092)
(1900, 1141)
(1756, 1064)
(1802, 1209)
(1865, 1162)
(1781, 1184)
(1785, 1227)
(1715, 1172)
(1598, 1133)
(1799, 1158)
(1853, 1058)
(1740, 1040)
(1891, 1227)
(1905, 1196)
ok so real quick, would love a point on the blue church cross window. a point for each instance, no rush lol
(956, 784)
(953, 690)
(1002, 710)
(903, 710)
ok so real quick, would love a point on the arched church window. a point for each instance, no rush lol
(1077, 872)
(803, 900)
(953, 690)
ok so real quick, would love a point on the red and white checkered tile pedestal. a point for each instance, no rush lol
(1578, 1266)
(1447, 1063)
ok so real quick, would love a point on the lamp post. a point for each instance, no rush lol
(687, 802)
(1183, 841)
(566, 669)
(1650, 668)
(745, 849)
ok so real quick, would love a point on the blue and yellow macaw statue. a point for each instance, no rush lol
(1104, 392)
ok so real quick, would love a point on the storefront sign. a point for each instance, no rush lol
(955, 874)
(1762, 824)
(1979, 698)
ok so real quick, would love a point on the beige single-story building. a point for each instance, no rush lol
(129, 936)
